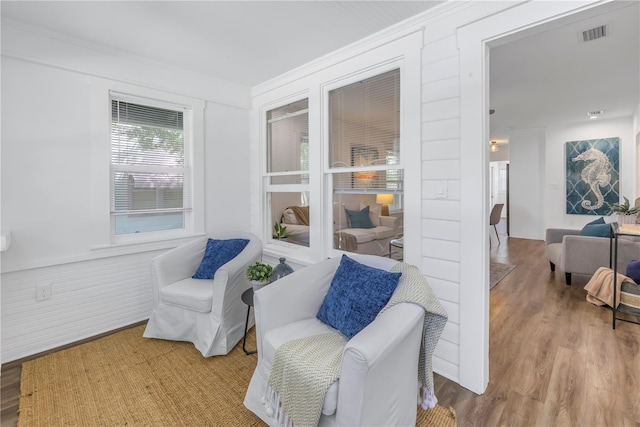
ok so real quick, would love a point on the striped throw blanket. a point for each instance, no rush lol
(303, 369)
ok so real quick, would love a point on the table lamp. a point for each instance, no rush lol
(384, 200)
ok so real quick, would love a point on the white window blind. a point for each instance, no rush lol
(364, 135)
(150, 152)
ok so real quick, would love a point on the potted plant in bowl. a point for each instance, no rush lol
(259, 274)
(627, 214)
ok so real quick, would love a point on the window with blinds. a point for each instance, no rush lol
(287, 169)
(150, 157)
(364, 149)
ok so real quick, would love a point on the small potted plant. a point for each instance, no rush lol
(259, 274)
(627, 214)
(279, 231)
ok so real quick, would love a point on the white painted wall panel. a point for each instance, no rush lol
(443, 129)
(441, 89)
(445, 289)
(441, 229)
(440, 70)
(437, 50)
(440, 268)
(445, 249)
(87, 298)
(441, 169)
(441, 209)
(441, 149)
(441, 109)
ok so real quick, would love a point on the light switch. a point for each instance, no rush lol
(441, 189)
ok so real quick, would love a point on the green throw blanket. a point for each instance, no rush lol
(303, 369)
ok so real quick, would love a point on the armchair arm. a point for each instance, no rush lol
(584, 254)
(389, 221)
(555, 235)
(369, 363)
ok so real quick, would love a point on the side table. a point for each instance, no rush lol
(623, 230)
(397, 243)
(247, 298)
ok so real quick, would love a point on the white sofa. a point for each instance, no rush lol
(378, 378)
(368, 241)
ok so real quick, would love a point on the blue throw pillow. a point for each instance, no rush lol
(596, 221)
(360, 219)
(596, 230)
(356, 296)
(633, 270)
(217, 254)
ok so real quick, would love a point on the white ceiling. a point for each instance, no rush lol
(550, 77)
(246, 42)
(542, 78)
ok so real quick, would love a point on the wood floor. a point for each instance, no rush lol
(554, 358)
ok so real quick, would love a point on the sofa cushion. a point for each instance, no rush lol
(288, 217)
(356, 295)
(189, 293)
(362, 235)
(217, 254)
(384, 232)
(359, 219)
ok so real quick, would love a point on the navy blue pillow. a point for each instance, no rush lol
(597, 229)
(356, 296)
(217, 254)
(633, 270)
(596, 221)
(360, 219)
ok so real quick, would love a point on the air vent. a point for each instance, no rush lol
(594, 33)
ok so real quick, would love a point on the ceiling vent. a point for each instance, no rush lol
(594, 33)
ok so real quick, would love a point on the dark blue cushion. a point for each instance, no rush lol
(356, 296)
(633, 270)
(597, 230)
(596, 221)
(217, 254)
(360, 219)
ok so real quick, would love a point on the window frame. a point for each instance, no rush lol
(404, 53)
(101, 185)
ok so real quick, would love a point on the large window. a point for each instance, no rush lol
(365, 162)
(150, 165)
(287, 177)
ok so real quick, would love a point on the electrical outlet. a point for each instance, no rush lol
(43, 292)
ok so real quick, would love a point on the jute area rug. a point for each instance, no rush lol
(125, 379)
(497, 272)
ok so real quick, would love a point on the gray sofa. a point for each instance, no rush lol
(576, 254)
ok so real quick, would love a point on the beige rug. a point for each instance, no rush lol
(124, 379)
(497, 272)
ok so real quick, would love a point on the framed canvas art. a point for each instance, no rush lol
(593, 175)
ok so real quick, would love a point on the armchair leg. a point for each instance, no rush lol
(567, 278)
(552, 265)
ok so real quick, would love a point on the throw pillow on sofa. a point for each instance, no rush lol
(359, 219)
(597, 228)
(217, 254)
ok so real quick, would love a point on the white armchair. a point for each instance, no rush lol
(208, 313)
(378, 382)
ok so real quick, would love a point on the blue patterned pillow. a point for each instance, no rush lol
(360, 219)
(356, 296)
(217, 254)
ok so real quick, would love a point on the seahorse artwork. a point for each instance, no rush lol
(597, 173)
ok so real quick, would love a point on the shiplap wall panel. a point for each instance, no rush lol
(441, 89)
(441, 149)
(87, 298)
(441, 162)
(441, 229)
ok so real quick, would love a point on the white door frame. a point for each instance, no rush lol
(474, 41)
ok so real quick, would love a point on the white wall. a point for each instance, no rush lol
(526, 172)
(554, 181)
(47, 192)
